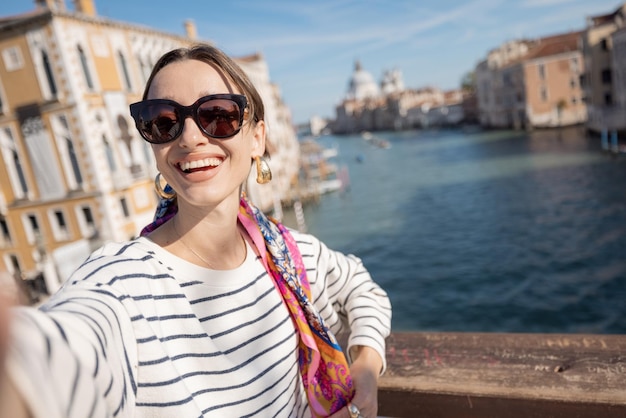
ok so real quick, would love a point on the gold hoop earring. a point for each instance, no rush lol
(263, 172)
(161, 191)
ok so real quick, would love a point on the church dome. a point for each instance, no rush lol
(362, 84)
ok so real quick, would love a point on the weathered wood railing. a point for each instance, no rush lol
(504, 375)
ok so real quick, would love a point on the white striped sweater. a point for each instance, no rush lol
(139, 332)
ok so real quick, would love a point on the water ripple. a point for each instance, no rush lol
(495, 231)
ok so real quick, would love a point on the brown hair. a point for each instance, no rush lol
(222, 62)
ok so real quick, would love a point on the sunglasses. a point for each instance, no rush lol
(160, 121)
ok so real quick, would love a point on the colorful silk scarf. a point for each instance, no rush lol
(323, 367)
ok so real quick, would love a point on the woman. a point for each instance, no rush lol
(215, 310)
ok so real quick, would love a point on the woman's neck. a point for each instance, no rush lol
(213, 240)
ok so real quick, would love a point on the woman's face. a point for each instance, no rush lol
(203, 171)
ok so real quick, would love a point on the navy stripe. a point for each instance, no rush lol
(217, 372)
(231, 293)
(269, 291)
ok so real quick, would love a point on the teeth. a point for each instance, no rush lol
(207, 162)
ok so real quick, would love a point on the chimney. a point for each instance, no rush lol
(85, 7)
(54, 5)
(190, 28)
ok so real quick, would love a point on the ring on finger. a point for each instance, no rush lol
(353, 410)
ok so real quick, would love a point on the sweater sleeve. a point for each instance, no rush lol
(75, 356)
(351, 303)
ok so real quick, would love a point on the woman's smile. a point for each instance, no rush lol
(199, 165)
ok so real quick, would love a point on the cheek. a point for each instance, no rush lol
(160, 153)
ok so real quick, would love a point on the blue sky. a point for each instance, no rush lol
(311, 46)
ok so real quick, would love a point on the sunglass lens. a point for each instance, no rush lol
(160, 123)
(219, 118)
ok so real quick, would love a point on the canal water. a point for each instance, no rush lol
(492, 231)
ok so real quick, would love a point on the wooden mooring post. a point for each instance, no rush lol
(495, 375)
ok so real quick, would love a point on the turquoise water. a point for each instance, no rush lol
(491, 231)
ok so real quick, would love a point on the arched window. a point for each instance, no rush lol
(13, 162)
(125, 74)
(49, 74)
(69, 156)
(85, 67)
(1, 100)
(109, 153)
(145, 69)
(74, 160)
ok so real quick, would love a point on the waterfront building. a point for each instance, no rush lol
(368, 107)
(532, 83)
(282, 142)
(492, 80)
(603, 79)
(392, 82)
(362, 85)
(618, 39)
(317, 126)
(74, 172)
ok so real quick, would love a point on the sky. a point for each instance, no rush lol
(311, 46)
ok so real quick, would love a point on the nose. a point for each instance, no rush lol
(191, 136)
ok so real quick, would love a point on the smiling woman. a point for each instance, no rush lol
(215, 310)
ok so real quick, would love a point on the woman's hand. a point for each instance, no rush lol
(365, 370)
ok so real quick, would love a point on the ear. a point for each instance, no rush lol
(258, 139)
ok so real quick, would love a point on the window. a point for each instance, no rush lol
(109, 153)
(13, 162)
(544, 94)
(67, 150)
(86, 221)
(12, 58)
(49, 74)
(127, 84)
(6, 234)
(34, 224)
(145, 69)
(85, 67)
(542, 71)
(59, 225)
(1, 100)
(31, 227)
(124, 205)
(606, 76)
(14, 264)
(604, 44)
(608, 99)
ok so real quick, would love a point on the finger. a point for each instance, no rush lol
(366, 408)
(342, 413)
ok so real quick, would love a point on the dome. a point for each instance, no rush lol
(392, 82)
(362, 84)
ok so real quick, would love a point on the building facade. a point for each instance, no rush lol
(602, 82)
(369, 107)
(532, 84)
(74, 171)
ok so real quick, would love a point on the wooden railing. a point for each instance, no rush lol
(504, 375)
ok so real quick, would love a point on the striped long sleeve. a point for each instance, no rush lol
(139, 332)
(76, 356)
(351, 303)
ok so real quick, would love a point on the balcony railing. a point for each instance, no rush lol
(504, 375)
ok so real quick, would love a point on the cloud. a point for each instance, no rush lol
(347, 22)
(543, 3)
